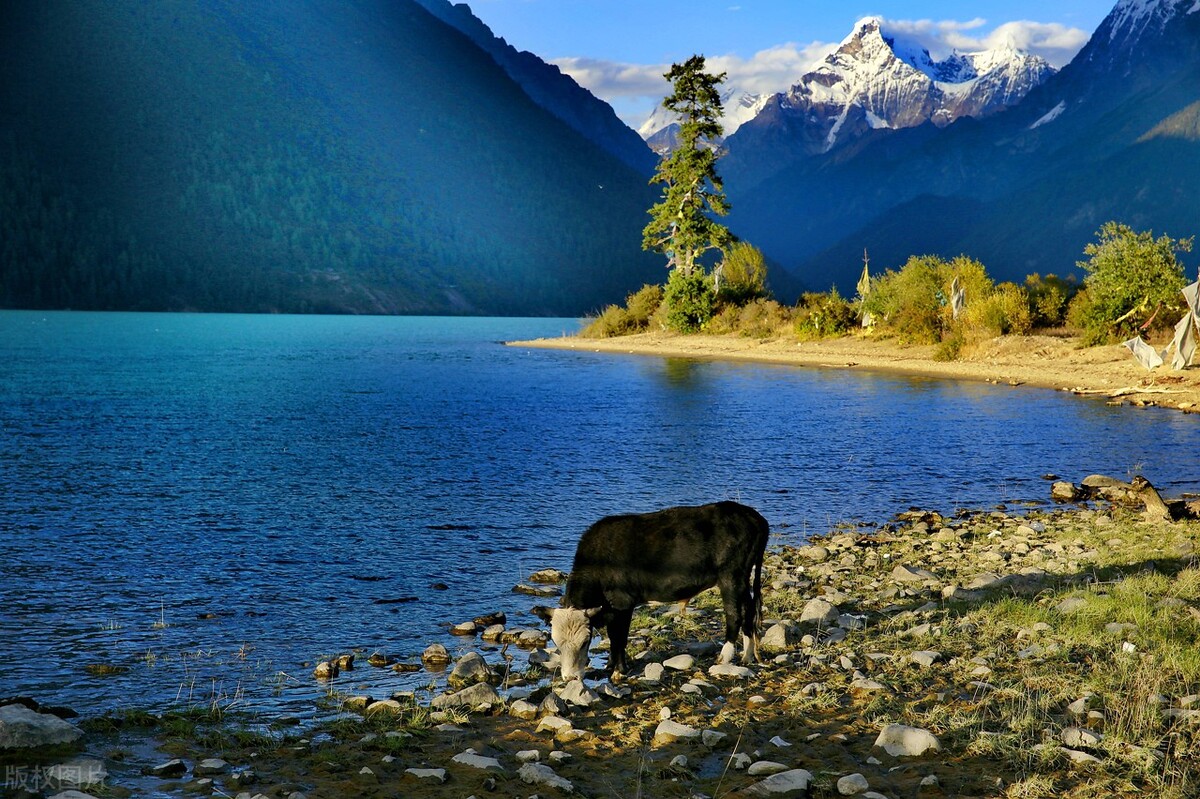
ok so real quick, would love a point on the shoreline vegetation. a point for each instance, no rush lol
(1044, 652)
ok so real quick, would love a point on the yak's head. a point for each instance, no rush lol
(571, 629)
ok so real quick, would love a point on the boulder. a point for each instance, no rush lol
(22, 728)
(79, 772)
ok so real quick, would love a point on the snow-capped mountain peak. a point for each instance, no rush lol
(879, 80)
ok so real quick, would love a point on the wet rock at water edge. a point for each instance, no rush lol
(436, 655)
(325, 670)
(493, 633)
(479, 696)
(465, 628)
(210, 766)
(490, 619)
(379, 660)
(470, 668)
(543, 591)
(345, 662)
(551, 576)
(23, 728)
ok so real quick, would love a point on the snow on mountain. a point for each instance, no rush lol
(876, 80)
(740, 106)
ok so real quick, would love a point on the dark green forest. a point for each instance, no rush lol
(328, 156)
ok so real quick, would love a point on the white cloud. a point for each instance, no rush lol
(1053, 41)
(634, 90)
(643, 86)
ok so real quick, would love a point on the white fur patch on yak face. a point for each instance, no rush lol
(571, 630)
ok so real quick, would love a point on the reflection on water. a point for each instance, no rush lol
(212, 502)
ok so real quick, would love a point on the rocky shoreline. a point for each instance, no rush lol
(1046, 652)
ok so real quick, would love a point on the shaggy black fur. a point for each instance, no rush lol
(668, 556)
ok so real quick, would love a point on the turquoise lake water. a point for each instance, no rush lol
(215, 500)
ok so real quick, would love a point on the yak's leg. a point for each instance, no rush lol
(618, 638)
(733, 600)
(749, 627)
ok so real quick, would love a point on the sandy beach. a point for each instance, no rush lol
(1109, 372)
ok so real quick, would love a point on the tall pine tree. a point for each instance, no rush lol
(681, 226)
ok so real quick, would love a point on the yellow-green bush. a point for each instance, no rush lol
(635, 317)
(824, 315)
(1003, 312)
(1049, 298)
(743, 274)
(914, 303)
(763, 319)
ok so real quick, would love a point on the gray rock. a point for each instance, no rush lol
(669, 732)
(436, 655)
(209, 767)
(529, 755)
(779, 637)
(548, 576)
(480, 695)
(911, 574)
(22, 728)
(552, 705)
(1076, 737)
(474, 760)
(712, 737)
(522, 709)
(79, 772)
(553, 724)
(576, 693)
(925, 657)
(899, 740)
(819, 612)
(786, 783)
(1062, 491)
(541, 774)
(653, 672)
(730, 670)
(680, 662)
(470, 668)
(853, 784)
(765, 768)
(437, 775)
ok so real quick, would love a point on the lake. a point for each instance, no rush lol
(214, 501)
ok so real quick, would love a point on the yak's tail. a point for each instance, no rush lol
(756, 619)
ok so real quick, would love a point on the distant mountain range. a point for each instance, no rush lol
(357, 156)
(1113, 135)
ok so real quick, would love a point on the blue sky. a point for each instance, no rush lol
(619, 48)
